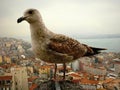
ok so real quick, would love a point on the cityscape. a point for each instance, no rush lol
(21, 70)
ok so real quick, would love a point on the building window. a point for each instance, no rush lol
(3, 82)
(16, 88)
(0, 82)
(15, 83)
(8, 89)
(8, 82)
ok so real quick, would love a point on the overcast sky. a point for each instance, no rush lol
(82, 17)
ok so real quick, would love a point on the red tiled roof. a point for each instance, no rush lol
(32, 78)
(45, 66)
(116, 81)
(86, 81)
(7, 65)
(5, 77)
(61, 68)
(33, 86)
(108, 80)
(75, 75)
(117, 62)
(76, 80)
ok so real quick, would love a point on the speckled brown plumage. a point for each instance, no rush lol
(66, 45)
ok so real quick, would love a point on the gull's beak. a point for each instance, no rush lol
(21, 19)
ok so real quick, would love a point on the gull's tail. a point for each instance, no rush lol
(95, 51)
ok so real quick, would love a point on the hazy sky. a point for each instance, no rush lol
(62, 16)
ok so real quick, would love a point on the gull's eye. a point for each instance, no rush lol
(30, 12)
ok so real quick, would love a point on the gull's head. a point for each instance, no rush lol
(31, 16)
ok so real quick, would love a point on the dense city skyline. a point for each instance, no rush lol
(19, 68)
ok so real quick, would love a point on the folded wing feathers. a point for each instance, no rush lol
(69, 46)
(66, 45)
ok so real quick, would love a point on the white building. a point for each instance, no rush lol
(75, 65)
(20, 81)
(20, 49)
(95, 71)
(117, 65)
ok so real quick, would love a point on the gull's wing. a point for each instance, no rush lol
(65, 45)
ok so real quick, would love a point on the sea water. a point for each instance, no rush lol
(111, 44)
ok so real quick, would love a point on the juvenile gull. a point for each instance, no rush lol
(52, 47)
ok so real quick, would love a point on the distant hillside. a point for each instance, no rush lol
(96, 36)
(14, 47)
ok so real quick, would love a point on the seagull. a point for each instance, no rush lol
(51, 47)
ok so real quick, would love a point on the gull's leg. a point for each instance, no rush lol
(64, 69)
(55, 71)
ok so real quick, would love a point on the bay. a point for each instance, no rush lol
(111, 44)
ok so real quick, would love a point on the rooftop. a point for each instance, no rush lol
(5, 77)
(86, 81)
(33, 86)
(30, 79)
(108, 80)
